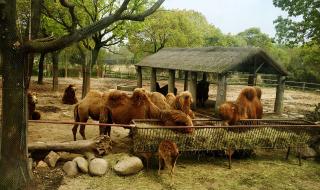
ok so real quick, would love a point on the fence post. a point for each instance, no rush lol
(303, 86)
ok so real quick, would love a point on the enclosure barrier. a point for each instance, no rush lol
(210, 135)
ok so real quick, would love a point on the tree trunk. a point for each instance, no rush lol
(14, 161)
(34, 30)
(100, 145)
(65, 66)
(13, 153)
(55, 70)
(94, 59)
(40, 73)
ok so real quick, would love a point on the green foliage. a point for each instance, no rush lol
(169, 28)
(254, 37)
(305, 63)
(302, 24)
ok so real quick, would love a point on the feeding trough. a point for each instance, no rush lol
(210, 135)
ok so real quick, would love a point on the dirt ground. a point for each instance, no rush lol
(296, 103)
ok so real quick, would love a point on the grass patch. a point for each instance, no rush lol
(262, 172)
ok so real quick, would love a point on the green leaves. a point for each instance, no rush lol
(302, 24)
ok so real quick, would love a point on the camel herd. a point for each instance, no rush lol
(118, 107)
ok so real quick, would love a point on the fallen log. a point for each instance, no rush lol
(100, 145)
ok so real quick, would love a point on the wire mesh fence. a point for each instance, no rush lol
(211, 135)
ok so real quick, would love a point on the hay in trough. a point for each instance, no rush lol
(147, 137)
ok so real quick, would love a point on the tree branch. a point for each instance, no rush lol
(80, 34)
(70, 6)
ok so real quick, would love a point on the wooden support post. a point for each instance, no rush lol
(252, 80)
(171, 80)
(186, 76)
(278, 105)
(204, 77)
(193, 88)
(139, 77)
(153, 80)
(221, 91)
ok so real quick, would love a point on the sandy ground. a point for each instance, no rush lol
(296, 103)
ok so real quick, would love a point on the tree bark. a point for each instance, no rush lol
(55, 70)
(34, 30)
(100, 145)
(13, 158)
(40, 73)
(94, 58)
(65, 66)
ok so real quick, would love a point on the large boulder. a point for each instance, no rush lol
(52, 158)
(82, 164)
(70, 168)
(128, 166)
(308, 153)
(98, 166)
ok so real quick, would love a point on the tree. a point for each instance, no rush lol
(255, 38)
(169, 28)
(13, 163)
(302, 23)
(90, 12)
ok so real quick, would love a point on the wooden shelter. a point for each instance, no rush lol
(219, 60)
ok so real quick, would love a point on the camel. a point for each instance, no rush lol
(247, 106)
(91, 106)
(69, 95)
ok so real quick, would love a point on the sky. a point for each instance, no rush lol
(233, 16)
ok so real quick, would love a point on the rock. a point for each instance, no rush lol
(70, 168)
(98, 166)
(52, 158)
(308, 153)
(113, 159)
(42, 164)
(128, 166)
(82, 164)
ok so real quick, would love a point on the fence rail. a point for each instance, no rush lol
(265, 80)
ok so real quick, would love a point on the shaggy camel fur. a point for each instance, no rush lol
(168, 153)
(159, 100)
(247, 106)
(249, 102)
(139, 106)
(69, 95)
(91, 106)
(183, 102)
(170, 98)
(32, 101)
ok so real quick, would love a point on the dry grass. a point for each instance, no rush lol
(263, 172)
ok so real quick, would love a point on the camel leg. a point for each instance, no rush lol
(82, 131)
(159, 165)
(74, 131)
(288, 153)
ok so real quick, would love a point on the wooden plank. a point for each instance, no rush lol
(278, 105)
(221, 91)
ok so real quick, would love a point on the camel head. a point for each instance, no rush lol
(184, 100)
(32, 98)
(249, 92)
